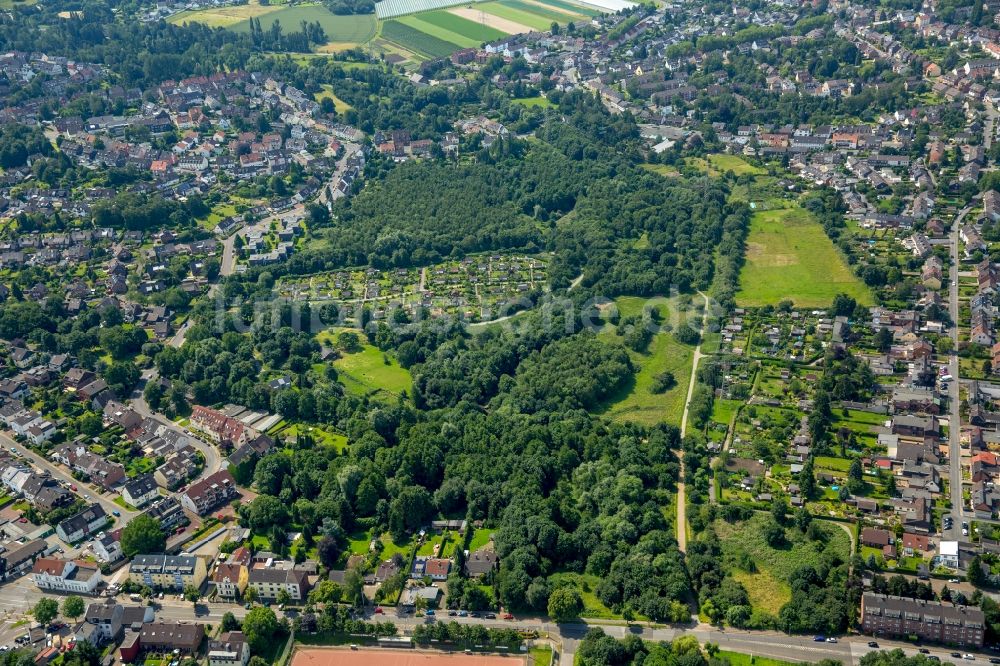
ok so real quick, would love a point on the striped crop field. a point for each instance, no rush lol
(544, 12)
(519, 16)
(417, 41)
(457, 25)
(570, 7)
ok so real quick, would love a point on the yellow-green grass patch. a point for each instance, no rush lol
(367, 372)
(723, 163)
(541, 102)
(664, 170)
(586, 585)
(327, 92)
(789, 257)
(636, 402)
(766, 592)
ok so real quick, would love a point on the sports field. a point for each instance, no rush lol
(790, 257)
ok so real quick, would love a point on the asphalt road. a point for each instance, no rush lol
(954, 417)
(60, 473)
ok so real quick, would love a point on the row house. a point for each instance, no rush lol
(928, 620)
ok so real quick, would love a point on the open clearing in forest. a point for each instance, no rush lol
(790, 257)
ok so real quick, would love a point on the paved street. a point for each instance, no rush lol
(60, 473)
(954, 418)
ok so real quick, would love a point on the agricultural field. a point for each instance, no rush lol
(789, 257)
(455, 29)
(225, 17)
(438, 32)
(341, 31)
(768, 584)
(415, 41)
(352, 30)
(416, 29)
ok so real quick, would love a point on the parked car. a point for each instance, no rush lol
(491, 616)
(508, 616)
(924, 651)
(819, 639)
(831, 639)
(872, 644)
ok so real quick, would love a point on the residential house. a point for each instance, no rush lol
(57, 575)
(209, 493)
(229, 649)
(172, 572)
(83, 524)
(140, 491)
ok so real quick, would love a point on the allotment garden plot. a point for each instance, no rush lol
(478, 288)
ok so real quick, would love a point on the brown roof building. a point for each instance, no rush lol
(928, 620)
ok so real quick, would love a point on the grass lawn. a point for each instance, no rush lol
(790, 257)
(542, 102)
(358, 543)
(665, 170)
(320, 436)
(327, 91)
(585, 584)
(541, 655)
(636, 401)
(737, 659)
(366, 372)
(123, 504)
(723, 163)
(723, 410)
(390, 547)
(480, 538)
(768, 585)
(841, 465)
(766, 592)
